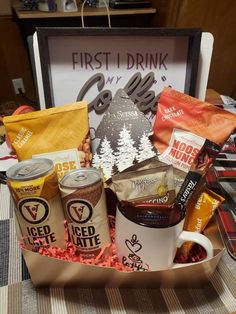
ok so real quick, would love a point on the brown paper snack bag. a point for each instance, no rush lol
(60, 134)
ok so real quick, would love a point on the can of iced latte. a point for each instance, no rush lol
(84, 204)
(34, 188)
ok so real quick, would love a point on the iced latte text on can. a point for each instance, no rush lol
(84, 203)
(34, 188)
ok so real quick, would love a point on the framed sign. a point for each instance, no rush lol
(92, 64)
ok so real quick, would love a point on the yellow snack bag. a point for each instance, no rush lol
(60, 134)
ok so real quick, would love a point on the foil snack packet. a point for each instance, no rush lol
(150, 163)
(154, 185)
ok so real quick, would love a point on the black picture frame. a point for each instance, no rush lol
(45, 33)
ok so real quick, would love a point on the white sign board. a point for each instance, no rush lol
(92, 64)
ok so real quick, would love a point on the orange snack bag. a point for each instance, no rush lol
(60, 134)
(183, 123)
(199, 211)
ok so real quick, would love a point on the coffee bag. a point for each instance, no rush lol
(155, 185)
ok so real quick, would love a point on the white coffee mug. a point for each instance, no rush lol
(146, 248)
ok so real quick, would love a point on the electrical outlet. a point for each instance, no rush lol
(18, 84)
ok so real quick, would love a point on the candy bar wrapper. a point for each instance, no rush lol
(201, 164)
(199, 212)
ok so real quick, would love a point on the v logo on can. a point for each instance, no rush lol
(78, 211)
(32, 210)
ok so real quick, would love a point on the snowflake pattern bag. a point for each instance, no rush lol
(123, 137)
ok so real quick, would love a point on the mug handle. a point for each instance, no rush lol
(197, 238)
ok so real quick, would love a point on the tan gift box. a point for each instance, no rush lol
(47, 271)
